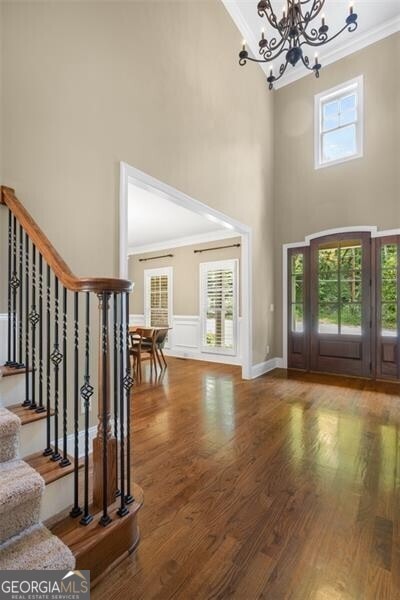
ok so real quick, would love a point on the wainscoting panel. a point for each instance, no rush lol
(185, 340)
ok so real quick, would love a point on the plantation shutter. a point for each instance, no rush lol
(219, 306)
(159, 301)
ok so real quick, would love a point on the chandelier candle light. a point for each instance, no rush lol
(294, 29)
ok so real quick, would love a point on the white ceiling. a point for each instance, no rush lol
(376, 19)
(154, 222)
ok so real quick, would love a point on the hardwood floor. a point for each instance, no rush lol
(286, 486)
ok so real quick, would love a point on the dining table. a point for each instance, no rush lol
(152, 332)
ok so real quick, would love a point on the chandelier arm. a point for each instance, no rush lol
(324, 39)
(273, 57)
(314, 11)
(306, 62)
(260, 60)
(271, 79)
(273, 46)
(271, 17)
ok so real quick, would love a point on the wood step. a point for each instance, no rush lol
(9, 371)
(49, 469)
(99, 548)
(27, 415)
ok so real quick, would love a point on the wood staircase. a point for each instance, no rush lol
(90, 501)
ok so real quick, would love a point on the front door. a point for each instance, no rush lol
(340, 304)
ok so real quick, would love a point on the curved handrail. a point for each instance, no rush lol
(51, 256)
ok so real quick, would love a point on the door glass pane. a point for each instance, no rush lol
(340, 287)
(328, 318)
(328, 262)
(389, 292)
(389, 320)
(350, 290)
(350, 257)
(298, 318)
(389, 257)
(297, 288)
(297, 264)
(297, 292)
(329, 290)
(350, 319)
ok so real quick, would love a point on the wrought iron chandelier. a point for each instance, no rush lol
(295, 29)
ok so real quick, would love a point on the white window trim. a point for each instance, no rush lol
(148, 273)
(204, 268)
(358, 84)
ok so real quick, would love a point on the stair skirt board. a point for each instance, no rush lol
(21, 489)
(10, 426)
(35, 548)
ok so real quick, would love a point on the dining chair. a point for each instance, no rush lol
(161, 338)
(143, 347)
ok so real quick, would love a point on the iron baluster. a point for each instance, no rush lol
(9, 361)
(128, 382)
(48, 450)
(123, 510)
(14, 283)
(76, 510)
(34, 319)
(65, 460)
(21, 298)
(40, 407)
(105, 518)
(86, 393)
(26, 402)
(116, 379)
(56, 358)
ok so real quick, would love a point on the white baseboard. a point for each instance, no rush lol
(266, 367)
(194, 355)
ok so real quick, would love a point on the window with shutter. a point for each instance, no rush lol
(218, 289)
(158, 297)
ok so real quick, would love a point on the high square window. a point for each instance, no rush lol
(339, 124)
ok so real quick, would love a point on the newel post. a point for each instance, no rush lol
(104, 444)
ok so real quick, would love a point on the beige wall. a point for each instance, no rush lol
(3, 220)
(365, 191)
(156, 84)
(185, 264)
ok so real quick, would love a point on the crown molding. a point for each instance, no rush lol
(201, 238)
(358, 42)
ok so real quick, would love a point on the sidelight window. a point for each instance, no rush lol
(388, 288)
(297, 292)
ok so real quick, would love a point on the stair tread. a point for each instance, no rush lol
(26, 414)
(35, 548)
(50, 470)
(10, 371)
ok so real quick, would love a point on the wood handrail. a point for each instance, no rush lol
(51, 256)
